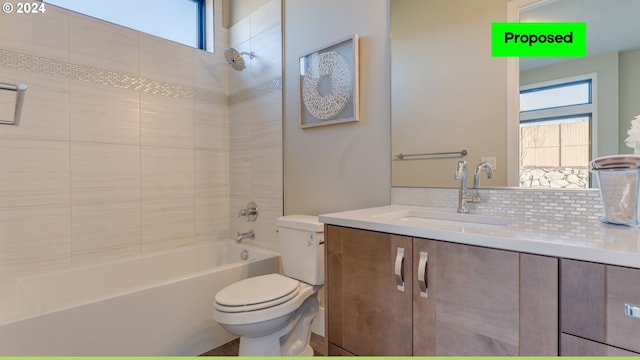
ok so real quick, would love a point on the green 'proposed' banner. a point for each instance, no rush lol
(548, 39)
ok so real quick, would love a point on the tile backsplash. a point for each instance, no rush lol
(571, 215)
(544, 204)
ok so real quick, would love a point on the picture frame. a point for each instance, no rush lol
(329, 84)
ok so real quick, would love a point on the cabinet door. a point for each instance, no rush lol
(623, 308)
(538, 305)
(582, 299)
(367, 313)
(614, 351)
(574, 346)
(477, 301)
(424, 297)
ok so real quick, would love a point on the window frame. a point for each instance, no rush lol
(204, 30)
(552, 114)
(555, 113)
(201, 23)
(556, 85)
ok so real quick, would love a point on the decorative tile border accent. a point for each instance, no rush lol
(37, 64)
(259, 90)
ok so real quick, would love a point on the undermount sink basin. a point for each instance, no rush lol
(449, 219)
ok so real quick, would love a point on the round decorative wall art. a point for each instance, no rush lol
(326, 88)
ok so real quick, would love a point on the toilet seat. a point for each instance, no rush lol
(265, 311)
(256, 293)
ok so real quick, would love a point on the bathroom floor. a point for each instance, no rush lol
(231, 348)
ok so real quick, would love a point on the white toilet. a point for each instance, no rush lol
(272, 313)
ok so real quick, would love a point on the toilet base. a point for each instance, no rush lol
(262, 346)
(290, 340)
(253, 348)
(308, 351)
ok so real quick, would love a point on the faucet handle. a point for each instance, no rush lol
(250, 212)
(461, 169)
(476, 173)
(484, 166)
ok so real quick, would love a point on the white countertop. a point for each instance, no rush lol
(588, 240)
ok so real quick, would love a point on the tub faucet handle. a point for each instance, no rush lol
(250, 212)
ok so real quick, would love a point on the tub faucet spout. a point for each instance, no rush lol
(247, 235)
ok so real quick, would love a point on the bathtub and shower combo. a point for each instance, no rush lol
(159, 304)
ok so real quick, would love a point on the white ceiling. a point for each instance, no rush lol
(612, 25)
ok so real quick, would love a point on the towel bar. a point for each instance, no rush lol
(20, 90)
(461, 153)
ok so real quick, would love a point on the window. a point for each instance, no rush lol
(555, 134)
(182, 21)
(555, 96)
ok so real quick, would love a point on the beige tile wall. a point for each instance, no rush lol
(256, 124)
(123, 148)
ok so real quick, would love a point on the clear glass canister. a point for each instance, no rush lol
(619, 194)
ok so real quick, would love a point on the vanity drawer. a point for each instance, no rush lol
(582, 299)
(575, 346)
(623, 307)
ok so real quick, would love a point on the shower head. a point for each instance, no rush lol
(234, 58)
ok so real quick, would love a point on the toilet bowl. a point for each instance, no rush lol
(273, 313)
(264, 309)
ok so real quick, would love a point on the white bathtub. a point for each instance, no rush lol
(155, 305)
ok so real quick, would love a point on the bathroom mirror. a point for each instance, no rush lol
(448, 93)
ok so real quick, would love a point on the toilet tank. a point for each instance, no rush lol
(301, 239)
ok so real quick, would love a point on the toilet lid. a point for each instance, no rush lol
(256, 293)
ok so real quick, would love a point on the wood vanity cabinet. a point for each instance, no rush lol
(384, 291)
(597, 306)
(366, 314)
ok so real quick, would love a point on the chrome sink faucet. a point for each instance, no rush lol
(461, 174)
(463, 197)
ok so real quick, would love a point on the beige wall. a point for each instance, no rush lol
(448, 92)
(345, 166)
(123, 146)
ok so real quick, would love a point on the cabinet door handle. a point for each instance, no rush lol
(632, 310)
(399, 269)
(423, 274)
